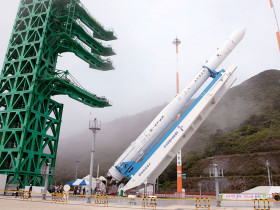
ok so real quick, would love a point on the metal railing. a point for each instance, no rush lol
(68, 77)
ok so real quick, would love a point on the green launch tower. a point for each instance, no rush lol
(30, 120)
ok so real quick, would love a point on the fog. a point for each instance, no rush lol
(235, 107)
(145, 64)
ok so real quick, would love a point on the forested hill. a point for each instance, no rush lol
(241, 124)
(240, 150)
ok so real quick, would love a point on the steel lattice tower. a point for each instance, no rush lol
(29, 119)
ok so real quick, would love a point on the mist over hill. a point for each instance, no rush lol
(113, 138)
(241, 151)
(241, 101)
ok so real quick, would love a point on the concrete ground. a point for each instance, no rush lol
(12, 203)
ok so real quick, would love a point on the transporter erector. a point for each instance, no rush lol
(146, 158)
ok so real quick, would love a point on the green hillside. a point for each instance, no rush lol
(242, 150)
(239, 135)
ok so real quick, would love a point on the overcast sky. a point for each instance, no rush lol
(145, 64)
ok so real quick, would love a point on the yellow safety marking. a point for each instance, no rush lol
(149, 202)
(204, 205)
(265, 207)
(101, 199)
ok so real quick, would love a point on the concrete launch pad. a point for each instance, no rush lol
(12, 203)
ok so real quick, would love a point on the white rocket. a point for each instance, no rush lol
(167, 116)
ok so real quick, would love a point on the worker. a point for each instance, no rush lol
(30, 191)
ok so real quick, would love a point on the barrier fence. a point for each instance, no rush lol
(149, 202)
(169, 195)
(163, 195)
(264, 206)
(60, 197)
(101, 200)
(24, 195)
(202, 203)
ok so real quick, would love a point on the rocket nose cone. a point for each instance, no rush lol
(241, 32)
(238, 35)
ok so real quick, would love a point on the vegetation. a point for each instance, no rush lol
(239, 135)
(241, 150)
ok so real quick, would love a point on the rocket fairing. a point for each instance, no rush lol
(162, 121)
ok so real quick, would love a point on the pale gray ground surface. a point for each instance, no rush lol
(11, 203)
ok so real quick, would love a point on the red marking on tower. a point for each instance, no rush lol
(176, 42)
(276, 23)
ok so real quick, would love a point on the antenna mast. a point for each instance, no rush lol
(276, 23)
(94, 126)
(176, 42)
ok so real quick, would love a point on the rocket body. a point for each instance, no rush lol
(162, 121)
